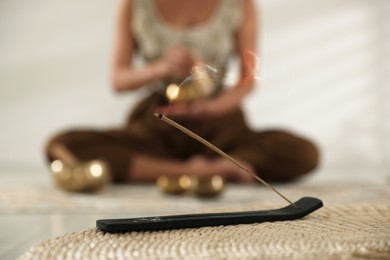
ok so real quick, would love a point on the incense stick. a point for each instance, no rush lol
(220, 152)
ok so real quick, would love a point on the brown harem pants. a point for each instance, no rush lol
(276, 155)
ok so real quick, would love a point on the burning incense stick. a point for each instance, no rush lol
(220, 152)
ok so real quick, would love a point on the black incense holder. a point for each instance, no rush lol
(302, 208)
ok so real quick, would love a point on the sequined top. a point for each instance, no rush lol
(212, 41)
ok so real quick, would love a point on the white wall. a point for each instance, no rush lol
(327, 73)
(325, 69)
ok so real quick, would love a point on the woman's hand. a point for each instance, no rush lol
(225, 102)
(176, 62)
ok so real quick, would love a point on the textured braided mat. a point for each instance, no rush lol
(333, 232)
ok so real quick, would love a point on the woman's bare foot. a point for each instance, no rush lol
(232, 172)
(202, 166)
(145, 168)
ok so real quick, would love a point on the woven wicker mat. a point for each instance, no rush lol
(333, 232)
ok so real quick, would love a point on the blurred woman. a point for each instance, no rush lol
(172, 36)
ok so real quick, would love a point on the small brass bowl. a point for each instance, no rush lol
(84, 176)
(97, 174)
(174, 184)
(200, 84)
(208, 187)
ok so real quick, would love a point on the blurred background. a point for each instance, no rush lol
(325, 68)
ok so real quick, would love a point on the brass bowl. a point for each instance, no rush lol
(85, 176)
(200, 84)
(174, 184)
(208, 187)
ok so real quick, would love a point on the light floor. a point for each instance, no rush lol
(32, 210)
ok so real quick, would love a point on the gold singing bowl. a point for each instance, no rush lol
(201, 186)
(174, 184)
(198, 85)
(85, 176)
(208, 186)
